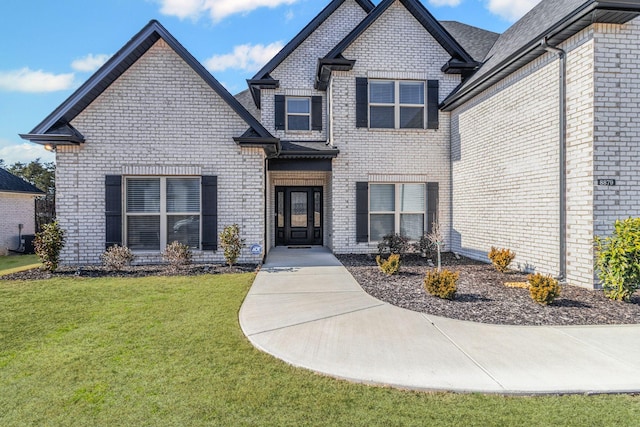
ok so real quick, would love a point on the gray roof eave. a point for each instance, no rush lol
(557, 33)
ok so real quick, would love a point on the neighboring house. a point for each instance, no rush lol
(17, 210)
(372, 120)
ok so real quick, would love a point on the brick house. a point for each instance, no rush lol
(372, 120)
(17, 210)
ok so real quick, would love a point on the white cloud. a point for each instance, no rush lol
(244, 57)
(217, 9)
(90, 62)
(27, 80)
(451, 3)
(25, 152)
(511, 10)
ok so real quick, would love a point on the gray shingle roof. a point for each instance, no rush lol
(476, 41)
(12, 184)
(553, 20)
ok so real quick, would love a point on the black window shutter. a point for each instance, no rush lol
(280, 112)
(432, 204)
(316, 113)
(362, 212)
(113, 210)
(209, 213)
(433, 110)
(362, 102)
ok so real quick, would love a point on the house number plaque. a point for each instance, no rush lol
(607, 182)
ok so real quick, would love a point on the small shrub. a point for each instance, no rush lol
(442, 284)
(618, 260)
(423, 246)
(393, 244)
(543, 289)
(177, 254)
(117, 257)
(48, 244)
(501, 258)
(389, 266)
(232, 244)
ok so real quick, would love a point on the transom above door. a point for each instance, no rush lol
(298, 216)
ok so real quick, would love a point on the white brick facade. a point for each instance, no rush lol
(393, 44)
(158, 119)
(496, 157)
(15, 209)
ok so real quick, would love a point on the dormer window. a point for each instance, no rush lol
(396, 104)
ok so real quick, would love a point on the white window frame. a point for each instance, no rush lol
(163, 214)
(287, 113)
(398, 207)
(396, 104)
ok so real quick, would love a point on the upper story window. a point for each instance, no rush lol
(396, 104)
(160, 210)
(298, 113)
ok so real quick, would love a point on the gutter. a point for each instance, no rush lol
(562, 56)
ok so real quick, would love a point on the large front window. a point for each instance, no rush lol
(396, 104)
(161, 210)
(397, 208)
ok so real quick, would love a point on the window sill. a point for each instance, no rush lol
(412, 130)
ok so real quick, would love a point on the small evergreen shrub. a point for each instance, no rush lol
(231, 243)
(501, 258)
(442, 284)
(177, 254)
(389, 266)
(117, 257)
(423, 246)
(393, 244)
(543, 289)
(618, 260)
(48, 244)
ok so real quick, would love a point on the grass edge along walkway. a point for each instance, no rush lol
(169, 351)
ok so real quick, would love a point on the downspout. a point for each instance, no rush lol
(562, 55)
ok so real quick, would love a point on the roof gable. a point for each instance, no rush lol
(113, 69)
(12, 184)
(366, 5)
(423, 16)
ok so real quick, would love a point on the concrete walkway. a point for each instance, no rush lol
(306, 309)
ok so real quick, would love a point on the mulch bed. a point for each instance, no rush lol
(482, 296)
(133, 271)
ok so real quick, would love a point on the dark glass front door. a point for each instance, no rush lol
(298, 216)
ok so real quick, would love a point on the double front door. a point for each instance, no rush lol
(298, 216)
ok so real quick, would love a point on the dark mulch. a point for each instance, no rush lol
(482, 296)
(133, 271)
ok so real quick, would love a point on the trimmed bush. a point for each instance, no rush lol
(177, 254)
(501, 258)
(232, 244)
(543, 289)
(389, 266)
(117, 257)
(393, 244)
(48, 244)
(442, 284)
(618, 260)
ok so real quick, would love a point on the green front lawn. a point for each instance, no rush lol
(169, 351)
(14, 263)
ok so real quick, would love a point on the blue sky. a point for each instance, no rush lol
(51, 47)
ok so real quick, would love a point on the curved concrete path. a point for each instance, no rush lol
(306, 309)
